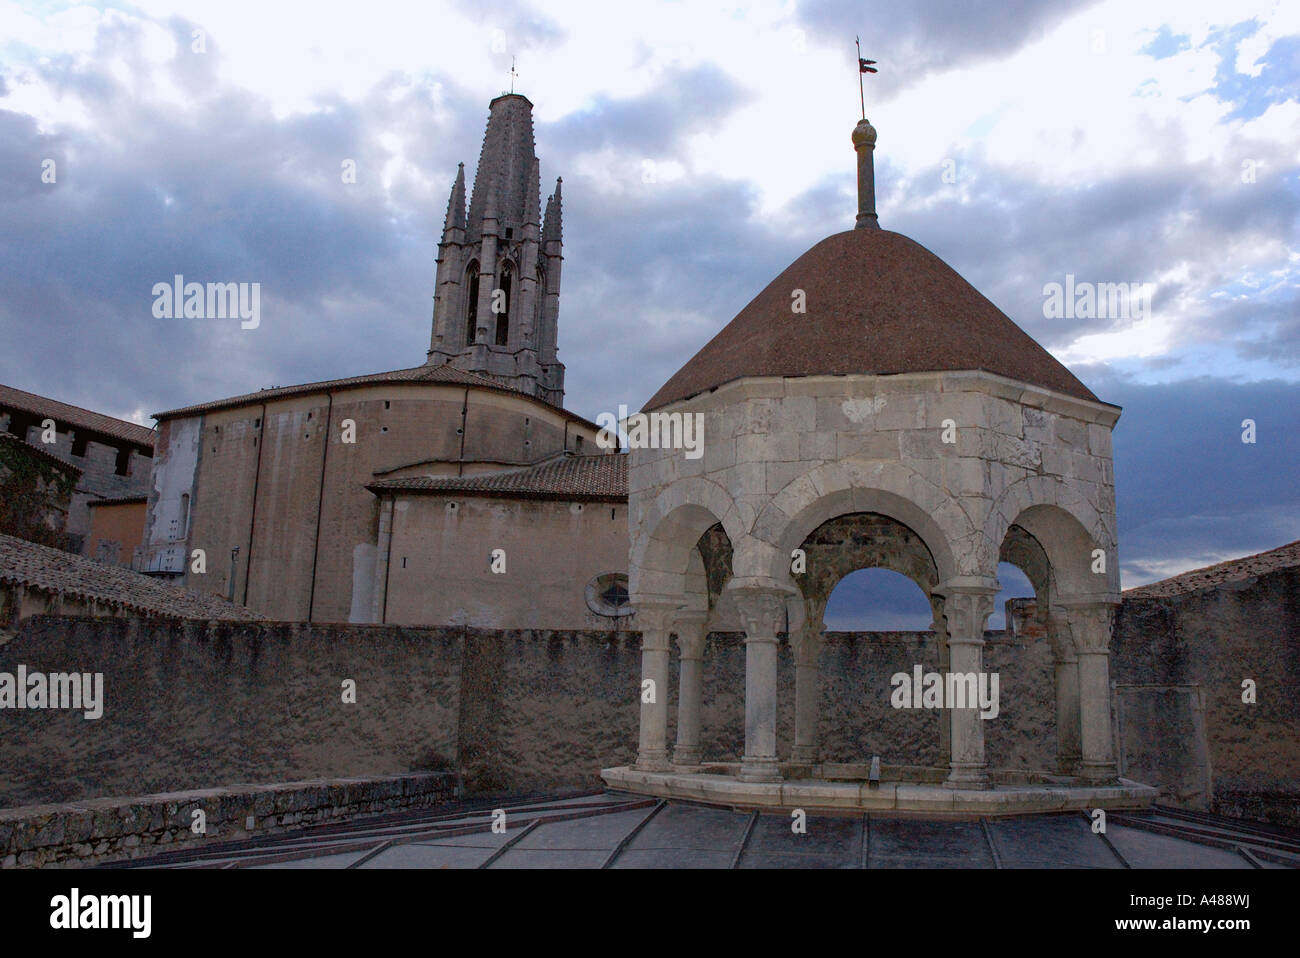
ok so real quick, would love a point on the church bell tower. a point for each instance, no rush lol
(497, 299)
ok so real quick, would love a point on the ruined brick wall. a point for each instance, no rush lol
(1211, 640)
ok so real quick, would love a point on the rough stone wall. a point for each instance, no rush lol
(1215, 639)
(196, 705)
(439, 568)
(120, 828)
(207, 704)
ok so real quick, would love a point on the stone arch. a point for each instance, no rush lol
(670, 531)
(853, 486)
(1067, 527)
(857, 540)
(1020, 549)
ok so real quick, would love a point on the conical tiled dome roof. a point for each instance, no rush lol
(877, 302)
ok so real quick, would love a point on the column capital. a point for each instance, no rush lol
(691, 631)
(967, 585)
(965, 613)
(762, 612)
(656, 613)
(1091, 621)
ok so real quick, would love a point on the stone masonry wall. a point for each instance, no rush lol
(1215, 639)
(202, 705)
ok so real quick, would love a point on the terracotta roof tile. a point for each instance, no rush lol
(595, 477)
(877, 302)
(50, 570)
(76, 417)
(1234, 570)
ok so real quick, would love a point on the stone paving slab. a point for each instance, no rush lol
(682, 858)
(692, 826)
(483, 839)
(321, 861)
(429, 856)
(833, 842)
(596, 832)
(1143, 849)
(1061, 841)
(912, 843)
(551, 858)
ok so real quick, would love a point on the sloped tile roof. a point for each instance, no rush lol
(596, 477)
(1234, 570)
(76, 417)
(416, 374)
(50, 570)
(876, 302)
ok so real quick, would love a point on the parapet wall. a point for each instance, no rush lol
(203, 704)
(1188, 656)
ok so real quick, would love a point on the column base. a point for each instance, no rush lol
(805, 755)
(1100, 773)
(759, 770)
(687, 756)
(1069, 765)
(653, 760)
(968, 776)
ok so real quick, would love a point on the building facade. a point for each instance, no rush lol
(113, 456)
(355, 500)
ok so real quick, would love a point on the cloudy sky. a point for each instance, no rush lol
(1154, 143)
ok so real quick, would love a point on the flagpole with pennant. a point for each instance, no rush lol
(864, 66)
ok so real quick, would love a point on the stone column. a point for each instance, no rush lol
(807, 644)
(945, 662)
(691, 633)
(762, 612)
(967, 607)
(1090, 626)
(655, 621)
(1067, 694)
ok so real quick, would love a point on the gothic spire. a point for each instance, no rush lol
(456, 203)
(552, 228)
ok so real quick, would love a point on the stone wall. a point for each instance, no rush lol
(205, 704)
(1208, 642)
(439, 568)
(117, 829)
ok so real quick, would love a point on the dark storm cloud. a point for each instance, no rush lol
(1186, 484)
(683, 101)
(218, 191)
(914, 38)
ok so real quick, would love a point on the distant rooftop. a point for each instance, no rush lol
(594, 477)
(76, 417)
(51, 570)
(416, 374)
(1234, 570)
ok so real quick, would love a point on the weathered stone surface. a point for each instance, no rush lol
(133, 825)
